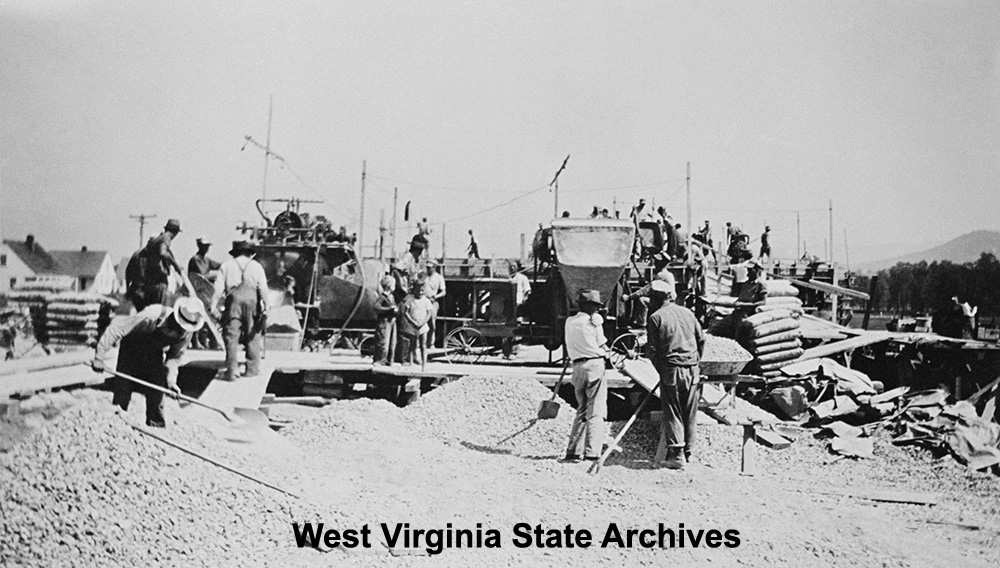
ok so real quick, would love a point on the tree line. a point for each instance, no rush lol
(922, 288)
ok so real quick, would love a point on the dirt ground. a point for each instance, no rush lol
(474, 455)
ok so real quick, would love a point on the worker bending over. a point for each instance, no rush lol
(152, 344)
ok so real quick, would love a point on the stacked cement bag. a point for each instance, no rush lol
(34, 299)
(773, 338)
(781, 295)
(77, 318)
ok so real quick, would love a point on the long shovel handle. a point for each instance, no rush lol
(555, 391)
(168, 392)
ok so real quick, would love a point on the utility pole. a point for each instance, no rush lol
(690, 228)
(361, 217)
(381, 232)
(142, 217)
(443, 226)
(798, 236)
(395, 203)
(267, 145)
(831, 232)
(555, 184)
(847, 252)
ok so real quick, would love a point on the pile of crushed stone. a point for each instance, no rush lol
(493, 414)
(86, 488)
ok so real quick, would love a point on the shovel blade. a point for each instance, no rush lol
(548, 410)
(249, 419)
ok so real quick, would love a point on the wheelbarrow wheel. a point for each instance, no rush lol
(625, 347)
(465, 345)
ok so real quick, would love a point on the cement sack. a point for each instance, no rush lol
(777, 365)
(774, 327)
(794, 310)
(776, 347)
(779, 356)
(768, 317)
(785, 301)
(780, 288)
(758, 342)
(68, 308)
(727, 301)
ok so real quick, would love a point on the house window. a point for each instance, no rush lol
(3, 260)
(13, 282)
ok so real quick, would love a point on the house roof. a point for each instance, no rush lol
(37, 259)
(79, 263)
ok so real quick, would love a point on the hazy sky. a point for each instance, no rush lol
(890, 109)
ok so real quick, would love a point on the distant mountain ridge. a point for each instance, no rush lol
(966, 248)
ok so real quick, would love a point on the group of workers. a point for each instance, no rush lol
(153, 340)
(675, 344)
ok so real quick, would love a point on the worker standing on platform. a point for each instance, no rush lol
(148, 271)
(675, 345)
(587, 348)
(473, 248)
(765, 245)
(152, 344)
(242, 286)
(434, 290)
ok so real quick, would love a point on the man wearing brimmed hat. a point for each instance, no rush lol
(587, 348)
(241, 289)
(675, 343)
(144, 337)
(752, 292)
(147, 281)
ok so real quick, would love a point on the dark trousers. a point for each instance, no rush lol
(239, 329)
(385, 335)
(679, 394)
(142, 358)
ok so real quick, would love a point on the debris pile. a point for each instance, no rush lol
(88, 487)
(926, 418)
(498, 413)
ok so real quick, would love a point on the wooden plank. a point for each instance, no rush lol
(27, 383)
(868, 338)
(772, 440)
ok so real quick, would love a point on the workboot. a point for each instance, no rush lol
(675, 458)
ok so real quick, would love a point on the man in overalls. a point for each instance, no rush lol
(242, 288)
(152, 344)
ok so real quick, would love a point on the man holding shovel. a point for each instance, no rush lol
(152, 344)
(587, 348)
(675, 345)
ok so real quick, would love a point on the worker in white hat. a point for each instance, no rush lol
(152, 344)
(675, 343)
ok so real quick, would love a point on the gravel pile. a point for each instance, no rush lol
(87, 489)
(493, 414)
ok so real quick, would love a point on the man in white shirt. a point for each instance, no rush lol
(587, 348)
(522, 283)
(242, 289)
(434, 290)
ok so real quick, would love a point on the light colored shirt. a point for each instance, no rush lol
(147, 321)
(232, 273)
(434, 286)
(523, 287)
(585, 336)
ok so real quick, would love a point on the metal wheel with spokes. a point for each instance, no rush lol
(465, 345)
(624, 347)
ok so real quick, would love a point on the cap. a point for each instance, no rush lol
(173, 225)
(202, 241)
(189, 313)
(665, 276)
(662, 288)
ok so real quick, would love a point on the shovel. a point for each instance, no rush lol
(549, 409)
(239, 418)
